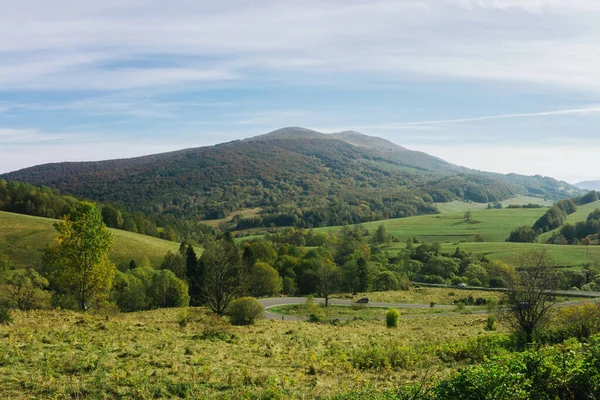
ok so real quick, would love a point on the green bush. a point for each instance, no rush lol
(315, 318)
(5, 315)
(244, 311)
(391, 318)
(491, 323)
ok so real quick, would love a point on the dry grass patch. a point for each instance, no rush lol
(148, 355)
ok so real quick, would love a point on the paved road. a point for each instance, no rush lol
(568, 293)
(284, 301)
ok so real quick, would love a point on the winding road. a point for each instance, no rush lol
(286, 301)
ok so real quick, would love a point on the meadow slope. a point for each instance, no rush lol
(23, 237)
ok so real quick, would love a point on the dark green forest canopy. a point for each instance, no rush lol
(298, 177)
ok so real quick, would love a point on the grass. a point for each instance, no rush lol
(493, 225)
(426, 295)
(357, 311)
(580, 215)
(245, 213)
(62, 354)
(462, 206)
(23, 237)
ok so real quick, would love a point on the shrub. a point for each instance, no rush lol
(315, 318)
(491, 323)
(5, 315)
(391, 318)
(244, 311)
(166, 290)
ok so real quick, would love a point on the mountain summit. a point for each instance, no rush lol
(297, 176)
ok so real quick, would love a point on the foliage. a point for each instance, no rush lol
(244, 311)
(299, 180)
(523, 234)
(264, 280)
(176, 263)
(531, 296)
(221, 274)
(23, 198)
(391, 318)
(166, 290)
(26, 289)
(5, 315)
(78, 265)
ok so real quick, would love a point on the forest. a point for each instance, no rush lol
(297, 177)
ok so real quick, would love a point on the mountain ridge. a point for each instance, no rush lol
(589, 185)
(298, 176)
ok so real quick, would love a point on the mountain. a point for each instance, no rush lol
(589, 185)
(297, 176)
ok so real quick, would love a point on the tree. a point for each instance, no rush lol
(264, 280)
(129, 292)
(26, 288)
(328, 279)
(523, 234)
(221, 267)
(166, 290)
(176, 263)
(531, 295)
(77, 265)
(364, 275)
(468, 216)
(386, 280)
(381, 236)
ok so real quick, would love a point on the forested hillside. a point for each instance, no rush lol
(297, 176)
(23, 198)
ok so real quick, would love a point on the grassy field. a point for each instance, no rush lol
(493, 225)
(23, 237)
(61, 354)
(246, 213)
(562, 256)
(357, 311)
(426, 295)
(580, 215)
(462, 206)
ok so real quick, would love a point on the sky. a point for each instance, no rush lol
(496, 85)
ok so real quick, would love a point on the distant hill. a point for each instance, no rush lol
(296, 176)
(589, 185)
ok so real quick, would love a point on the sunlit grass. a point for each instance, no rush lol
(23, 237)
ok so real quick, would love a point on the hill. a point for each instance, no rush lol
(589, 185)
(296, 176)
(23, 237)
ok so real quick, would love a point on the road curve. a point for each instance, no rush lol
(285, 301)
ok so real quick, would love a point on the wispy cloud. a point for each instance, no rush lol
(11, 136)
(57, 45)
(400, 125)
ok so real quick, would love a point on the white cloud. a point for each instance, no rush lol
(89, 45)
(426, 124)
(10, 135)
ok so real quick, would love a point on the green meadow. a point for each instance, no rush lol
(23, 237)
(492, 225)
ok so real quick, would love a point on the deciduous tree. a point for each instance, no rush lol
(531, 295)
(77, 265)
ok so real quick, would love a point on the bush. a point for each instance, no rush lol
(5, 315)
(391, 318)
(315, 318)
(244, 311)
(491, 323)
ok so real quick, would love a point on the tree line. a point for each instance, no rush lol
(23, 198)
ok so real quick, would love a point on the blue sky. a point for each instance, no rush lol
(499, 85)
